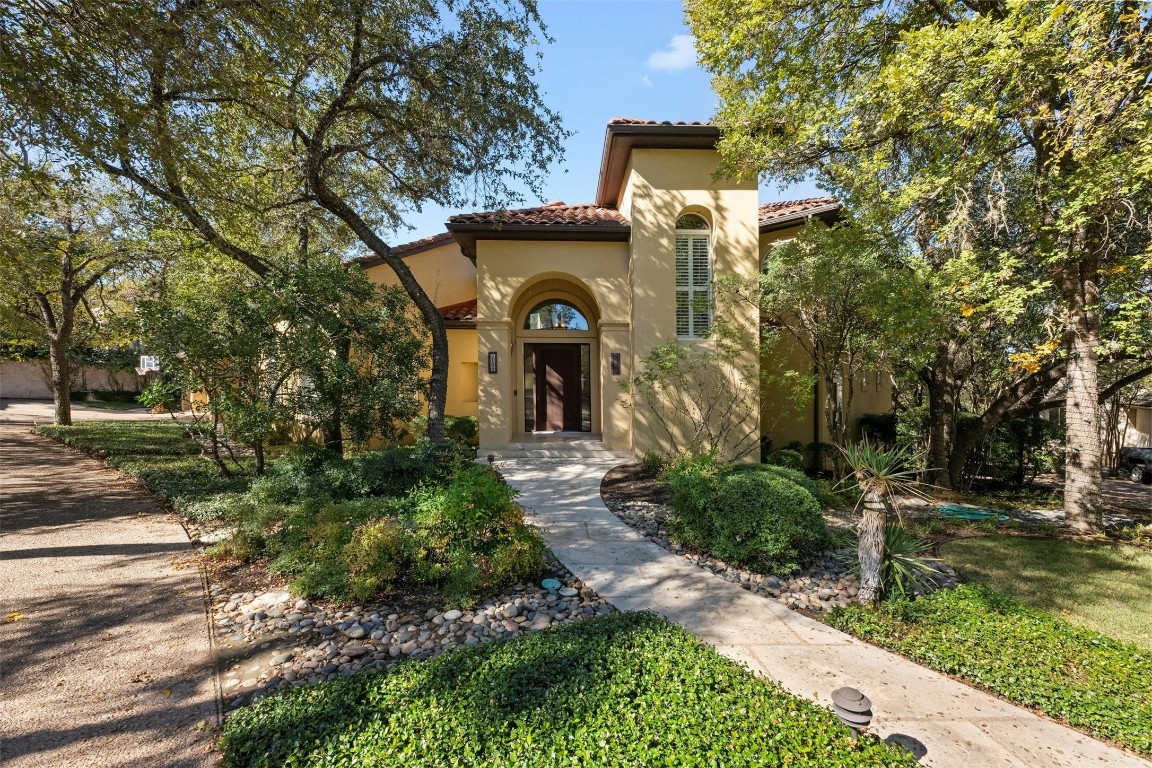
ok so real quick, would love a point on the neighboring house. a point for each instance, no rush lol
(550, 309)
(1135, 422)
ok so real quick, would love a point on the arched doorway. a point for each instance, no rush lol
(557, 353)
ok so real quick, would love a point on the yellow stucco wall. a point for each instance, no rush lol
(663, 184)
(449, 277)
(446, 274)
(512, 276)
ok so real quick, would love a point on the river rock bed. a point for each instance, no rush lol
(821, 586)
(295, 642)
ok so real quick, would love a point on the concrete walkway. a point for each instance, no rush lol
(108, 662)
(944, 722)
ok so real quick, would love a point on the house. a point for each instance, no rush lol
(550, 309)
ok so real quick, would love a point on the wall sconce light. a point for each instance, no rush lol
(615, 362)
(491, 362)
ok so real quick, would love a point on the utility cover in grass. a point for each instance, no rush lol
(629, 689)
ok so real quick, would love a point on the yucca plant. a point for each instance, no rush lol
(907, 567)
(880, 475)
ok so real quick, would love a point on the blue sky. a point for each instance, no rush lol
(611, 58)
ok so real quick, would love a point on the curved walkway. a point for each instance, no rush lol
(109, 661)
(944, 722)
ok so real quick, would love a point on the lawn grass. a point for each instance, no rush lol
(1090, 681)
(626, 690)
(1104, 587)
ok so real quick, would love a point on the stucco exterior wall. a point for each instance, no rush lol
(662, 185)
(1137, 428)
(511, 277)
(445, 274)
(29, 380)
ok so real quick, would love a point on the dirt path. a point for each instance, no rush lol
(109, 660)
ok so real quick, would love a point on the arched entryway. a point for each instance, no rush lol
(557, 377)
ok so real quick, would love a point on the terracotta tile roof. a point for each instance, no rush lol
(787, 210)
(638, 121)
(464, 312)
(555, 213)
(407, 249)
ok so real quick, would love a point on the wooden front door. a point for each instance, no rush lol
(558, 388)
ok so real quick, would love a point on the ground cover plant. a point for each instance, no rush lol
(346, 529)
(1103, 587)
(159, 454)
(1090, 681)
(752, 516)
(625, 690)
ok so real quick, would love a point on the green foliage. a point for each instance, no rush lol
(161, 393)
(692, 481)
(653, 461)
(473, 537)
(1016, 451)
(765, 522)
(750, 515)
(338, 550)
(1086, 679)
(785, 457)
(117, 438)
(624, 690)
(459, 429)
(182, 480)
(908, 569)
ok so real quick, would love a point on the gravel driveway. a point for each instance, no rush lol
(105, 650)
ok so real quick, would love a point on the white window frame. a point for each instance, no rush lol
(691, 287)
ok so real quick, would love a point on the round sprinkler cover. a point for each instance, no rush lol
(550, 584)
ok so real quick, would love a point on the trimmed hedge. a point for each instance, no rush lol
(625, 690)
(752, 516)
(1090, 681)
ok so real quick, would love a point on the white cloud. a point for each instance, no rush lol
(646, 80)
(680, 55)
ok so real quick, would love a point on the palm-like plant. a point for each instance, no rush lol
(880, 475)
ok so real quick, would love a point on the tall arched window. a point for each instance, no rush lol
(693, 277)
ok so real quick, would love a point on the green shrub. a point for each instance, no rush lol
(463, 429)
(766, 523)
(692, 482)
(460, 429)
(311, 544)
(786, 457)
(376, 554)
(1084, 678)
(653, 461)
(472, 535)
(629, 689)
(750, 515)
(115, 396)
(787, 473)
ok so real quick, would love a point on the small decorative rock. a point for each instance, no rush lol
(339, 642)
(825, 584)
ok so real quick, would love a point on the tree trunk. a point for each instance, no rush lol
(61, 381)
(941, 387)
(834, 415)
(870, 547)
(1083, 508)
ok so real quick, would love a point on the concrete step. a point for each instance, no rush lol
(556, 450)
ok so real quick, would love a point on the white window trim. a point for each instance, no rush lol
(706, 234)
